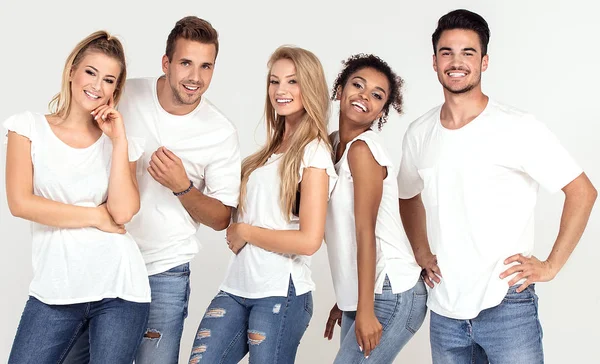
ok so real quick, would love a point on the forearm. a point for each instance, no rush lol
(366, 262)
(282, 241)
(52, 213)
(123, 195)
(575, 215)
(412, 213)
(206, 210)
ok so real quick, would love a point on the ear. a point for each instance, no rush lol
(338, 93)
(165, 64)
(484, 63)
(71, 74)
(434, 59)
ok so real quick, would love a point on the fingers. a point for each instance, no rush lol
(170, 154)
(515, 258)
(329, 328)
(524, 286)
(157, 162)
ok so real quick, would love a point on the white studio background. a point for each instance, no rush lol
(543, 59)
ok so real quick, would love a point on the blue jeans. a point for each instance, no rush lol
(505, 334)
(46, 333)
(401, 315)
(168, 310)
(269, 328)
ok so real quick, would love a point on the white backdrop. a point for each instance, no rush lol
(543, 58)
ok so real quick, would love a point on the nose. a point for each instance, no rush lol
(97, 84)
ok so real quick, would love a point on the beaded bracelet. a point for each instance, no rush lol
(185, 191)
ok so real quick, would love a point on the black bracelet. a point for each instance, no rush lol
(185, 191)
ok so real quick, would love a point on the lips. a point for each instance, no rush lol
(91, 95)
(283, 101)
(359, 106)
(457, 73)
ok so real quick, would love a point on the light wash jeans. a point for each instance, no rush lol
(401, 315)
(168, 310)
(46, 333)
(509, 333)
(268, 328)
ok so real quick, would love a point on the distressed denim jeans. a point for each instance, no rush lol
(268, 328)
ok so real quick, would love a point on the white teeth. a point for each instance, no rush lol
(91, 95)
(191, 88)
(283, 101)
(361, 106)
(456, 74)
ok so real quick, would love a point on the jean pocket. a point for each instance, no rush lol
(418, 310)
(308, 304)
(527, 296)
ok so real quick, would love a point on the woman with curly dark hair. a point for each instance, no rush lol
(381, 300)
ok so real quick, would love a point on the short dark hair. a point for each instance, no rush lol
(192, 28)
(360, 61)
(463, 19)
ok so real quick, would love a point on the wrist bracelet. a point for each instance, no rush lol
(185, 191)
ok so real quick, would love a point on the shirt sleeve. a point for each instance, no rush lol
(410, 182)
(135, 147)
(543, 157)
(317, 155)
(222, 175)
(21, 124)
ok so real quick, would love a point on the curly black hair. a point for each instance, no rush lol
(360, 61)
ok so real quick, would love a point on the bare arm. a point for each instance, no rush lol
(24, 204)
(168, 170)
(305, 241)
(580, 196)
(414, 221)
(123, 195)
(368, 178)
(206, 210)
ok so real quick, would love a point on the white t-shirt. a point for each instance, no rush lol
(256, 272)
(394, 253)
(206, 142)
(479, 186)
(83, 264)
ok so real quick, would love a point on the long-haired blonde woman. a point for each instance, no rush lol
(265, 302)
(72, 174)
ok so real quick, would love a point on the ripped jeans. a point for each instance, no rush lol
(168, 310)
(268, 328)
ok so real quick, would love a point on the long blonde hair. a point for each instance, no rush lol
(102, 42)
(313, 125)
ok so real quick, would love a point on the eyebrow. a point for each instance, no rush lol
(95, 69)
(365, 81)
(470, 49)
(190, 61)
(288, 76)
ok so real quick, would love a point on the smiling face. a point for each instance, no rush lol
(189, 72)
(363, 97)
(458, 61)
(94, 80)
(284, 90)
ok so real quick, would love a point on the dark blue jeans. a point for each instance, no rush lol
(268, 328)
(168, 310)
(46, 333)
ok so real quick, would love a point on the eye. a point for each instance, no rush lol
(274, 82)
(357, 85)
(378, 96)
(90, 72)
(468, 54)
(206, 66)
(292, 82)
(185, 63)
(445, 53)
(109, 80)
